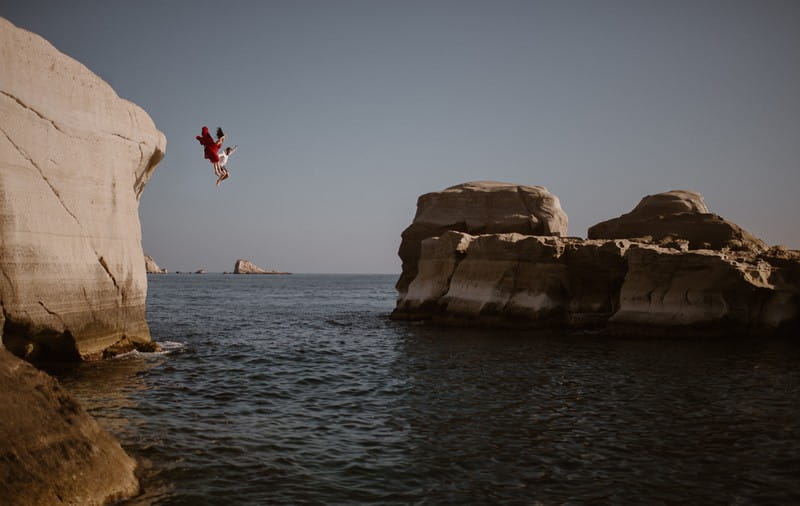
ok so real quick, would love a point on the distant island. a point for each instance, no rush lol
(247, 267)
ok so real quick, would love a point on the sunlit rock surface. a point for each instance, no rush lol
(51, 450)
(74, 159)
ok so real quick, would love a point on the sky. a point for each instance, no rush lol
(346, 111)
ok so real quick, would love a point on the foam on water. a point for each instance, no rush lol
(167, 347)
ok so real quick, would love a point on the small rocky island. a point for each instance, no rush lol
(247, 267)
(492, 253)
(152, 267)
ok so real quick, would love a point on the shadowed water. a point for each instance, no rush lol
(299, 390)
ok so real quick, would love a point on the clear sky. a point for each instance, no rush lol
(346, 111)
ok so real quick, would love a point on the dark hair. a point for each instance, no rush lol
(220, 133)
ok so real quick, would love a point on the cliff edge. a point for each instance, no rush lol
(74, 159)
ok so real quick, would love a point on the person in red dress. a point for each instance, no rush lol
(212, 147)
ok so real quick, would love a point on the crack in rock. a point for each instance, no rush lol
(108, 271)
(122, 137)
(41, 173)
(53, 313)
(34, 111)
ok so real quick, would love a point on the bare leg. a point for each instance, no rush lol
(221, 177)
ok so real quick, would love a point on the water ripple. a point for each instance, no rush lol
(299, 390)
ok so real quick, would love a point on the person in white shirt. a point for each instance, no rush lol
(223, 161)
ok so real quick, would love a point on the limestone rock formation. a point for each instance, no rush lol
(623, 286)
(51, 450)
(515, 279)
(481, 207)
(74, 159)
(680, 215)
(706, 291)
(247, 267)
(152, 267)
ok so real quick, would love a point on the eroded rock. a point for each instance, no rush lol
(74, 159)
(678, 215)
(481, 207)
(624, 286)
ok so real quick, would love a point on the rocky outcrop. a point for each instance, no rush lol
(51, 450)
(706, 291)
(74, 159)
(620, 285)
(152, 267)
(247, 267)
(678, 215)
(482, 207)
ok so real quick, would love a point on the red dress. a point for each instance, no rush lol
(211, 146)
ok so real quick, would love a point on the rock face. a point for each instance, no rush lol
(51, 450)
(74, 159)
(482, 207)
(247, 267)
(707, 291)
(152, 267)
(623, 286)
(681, 215)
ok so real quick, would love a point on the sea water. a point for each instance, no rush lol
(299, 390)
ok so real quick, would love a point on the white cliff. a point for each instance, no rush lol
(74, 159)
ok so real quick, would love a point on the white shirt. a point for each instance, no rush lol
(223, 157)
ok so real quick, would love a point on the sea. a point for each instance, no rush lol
(299, 389)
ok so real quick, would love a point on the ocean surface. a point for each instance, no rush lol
(299, 390)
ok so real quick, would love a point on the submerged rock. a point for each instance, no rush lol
(74, 159)
(624, 286)
(51, 450)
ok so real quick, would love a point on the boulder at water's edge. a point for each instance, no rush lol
(51, 450)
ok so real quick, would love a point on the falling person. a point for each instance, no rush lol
(223, 161)
(212, 147)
